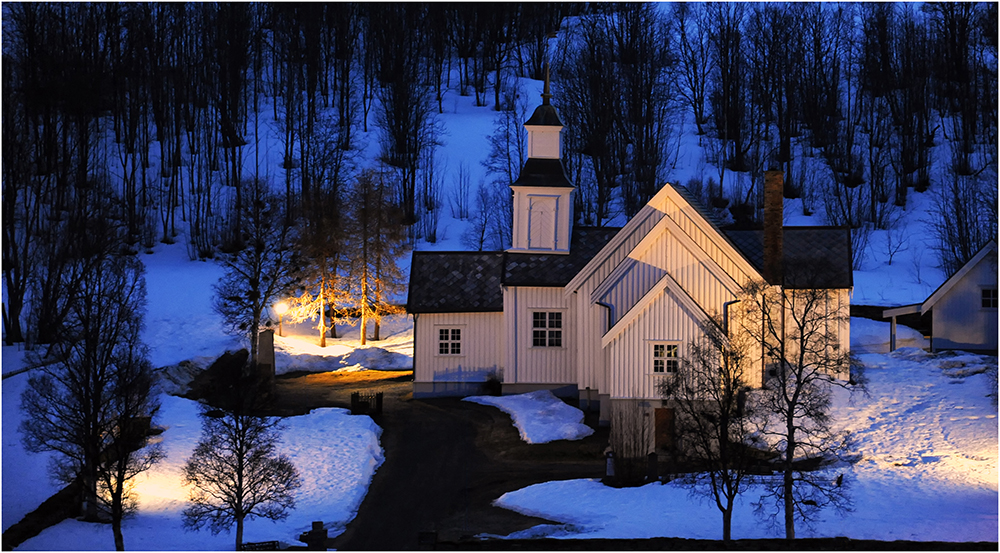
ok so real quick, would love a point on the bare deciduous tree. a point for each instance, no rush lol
(715, 421)
(799, 333)
(236, 473)
(260, 271)
(90, 405)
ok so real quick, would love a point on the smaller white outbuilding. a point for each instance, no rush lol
(963, 310)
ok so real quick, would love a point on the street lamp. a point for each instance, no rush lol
(280, 308)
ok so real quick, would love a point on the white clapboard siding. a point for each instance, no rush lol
(525, 364)
(482, 349)
(629, 356)
(844, 305)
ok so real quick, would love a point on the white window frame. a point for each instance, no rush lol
(451, 341)
(549, 333)
(666, 356)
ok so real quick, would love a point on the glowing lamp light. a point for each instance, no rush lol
(280, 308)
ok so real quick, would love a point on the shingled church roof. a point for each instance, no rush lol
(543, 172)
(470, 282)
(814, 257)
(455, 282)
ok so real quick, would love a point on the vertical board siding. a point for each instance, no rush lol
(538, 365)
(666, 254)
(481, 345)
(959, 319)
(591, 323)
(629, 356)
(705, 242)
(631, 287)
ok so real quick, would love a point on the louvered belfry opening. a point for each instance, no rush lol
(774, 184)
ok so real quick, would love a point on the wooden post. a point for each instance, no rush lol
(892, 335)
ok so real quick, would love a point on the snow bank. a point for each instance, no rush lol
(19, 466)
(868, 336)
(884, 509)
(539, 416)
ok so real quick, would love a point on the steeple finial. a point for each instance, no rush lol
(546, 94)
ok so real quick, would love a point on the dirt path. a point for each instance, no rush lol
(445, 462)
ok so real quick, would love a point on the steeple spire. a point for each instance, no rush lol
(546, 94)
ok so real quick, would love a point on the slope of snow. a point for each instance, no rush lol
(540, 417)
(926, 438)
(868, 336)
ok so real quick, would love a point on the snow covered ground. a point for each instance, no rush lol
(336, 453)
(540, 417)
(927, 440)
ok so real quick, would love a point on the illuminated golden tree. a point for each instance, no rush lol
(376, 239)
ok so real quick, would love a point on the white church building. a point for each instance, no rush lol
(600, 314)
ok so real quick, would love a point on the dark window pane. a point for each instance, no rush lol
(538, 338)
(538, 319)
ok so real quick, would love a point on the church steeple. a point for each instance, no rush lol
(543, 207)
(544, 127)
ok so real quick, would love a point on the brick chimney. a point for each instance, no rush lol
(774, 185)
